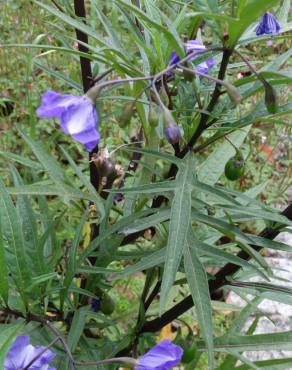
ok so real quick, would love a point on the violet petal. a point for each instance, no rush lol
(268, 25)
(163, 356)
(77, 114)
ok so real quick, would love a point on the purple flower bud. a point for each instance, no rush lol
(174, 58)
(268, 25)
(172, 133)
(21, 353)
(77, 115)
(172, 130)
(163, 356)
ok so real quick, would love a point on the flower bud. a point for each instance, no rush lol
(233, 93)
(154, 114)
(127, 114)
(270, 99)
(172, 131)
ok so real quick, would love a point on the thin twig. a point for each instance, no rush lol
(57, 6)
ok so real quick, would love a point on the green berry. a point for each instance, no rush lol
(234, 168)
(107, 304)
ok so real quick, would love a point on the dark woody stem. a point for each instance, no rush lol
(86, 72)
(85, 65)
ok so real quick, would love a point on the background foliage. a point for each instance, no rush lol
(173, 240)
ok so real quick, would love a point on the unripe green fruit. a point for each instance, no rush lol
(107, 304)
(270, 99)
(234, 168)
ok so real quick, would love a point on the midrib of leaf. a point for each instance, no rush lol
(178, 227)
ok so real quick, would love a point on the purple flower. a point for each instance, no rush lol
(77, 115)
(268, 25)
(163, 356)
(196, 45)
(21, 353)
(172, 132)
(191, 46)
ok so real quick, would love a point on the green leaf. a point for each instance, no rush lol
(158, 155)
(76, 328)
(72, 22)
(157, 187)
(146, 222)
(284, 12)
(4, 286)
(29, 228)
(199, 287)
(245, 313)
(20, 159)
(117, 227)
(107, 26)
(154, 259)
(56, 173)
(256, 342)
(180, 218)
(72, 260)
(220, 225)
(59, 76)
(95, 270)
(275, 364)
(34, 189)
(207, 5)
(206, 249)
(12, 231)
(149, 22)
(7, 337)
(257, 213)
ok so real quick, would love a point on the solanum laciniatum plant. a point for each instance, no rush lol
(126, 219)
